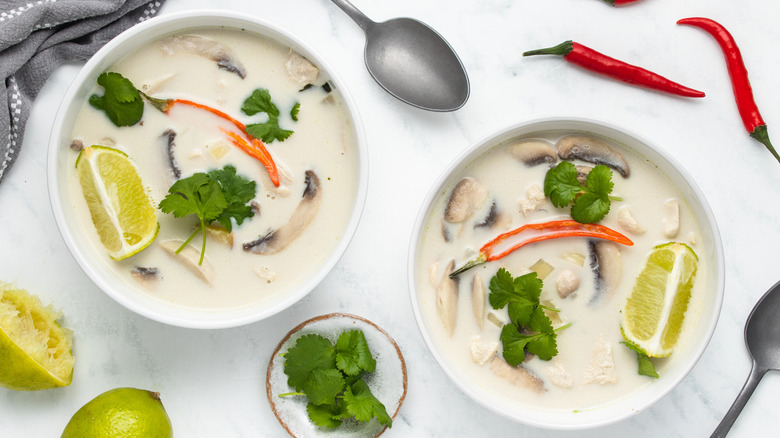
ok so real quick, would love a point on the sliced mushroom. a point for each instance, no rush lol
(205, 47)
(433, 274)
(606, 262)
(672, 219)
(146, 277)
(278, 239)
(566, 282)
(582, 173)
(189, 257)
(627, 222)
(445, 232)
(77, 144)
(170, 136)
(534, 152)
(482, 351)
(467, 196)
(447, 299)
(592, 150)
(478, 298)
(300, 69)
(518, 376)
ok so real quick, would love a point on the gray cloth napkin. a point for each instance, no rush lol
(37, 36)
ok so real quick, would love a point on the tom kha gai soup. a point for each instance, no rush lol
(247, 160)
(559, 270)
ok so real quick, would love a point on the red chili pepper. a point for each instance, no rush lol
(592, 60)
(743, 92)
(256, 150)
(545, 231)
(619, 2)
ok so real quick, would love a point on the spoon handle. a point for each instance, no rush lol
(756, 373)
(354, 13)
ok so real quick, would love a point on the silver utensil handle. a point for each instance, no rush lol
(756, 373)
(354, 13)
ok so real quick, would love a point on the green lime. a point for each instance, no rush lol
(35, 352)
(655, 311)
(122, 212)
(121, 412)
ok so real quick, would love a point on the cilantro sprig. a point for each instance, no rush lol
(645, 366)
(530, 330)
(260, 102)
(331, 377)
(220, 195)
(590, 202)
(120, 100)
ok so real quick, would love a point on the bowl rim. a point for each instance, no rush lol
(500, 135)
(114, 50)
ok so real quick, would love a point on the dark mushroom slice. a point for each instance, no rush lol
(205, 47)
(490, 219)
(468, 195)
(148, 277)
(77, 145)
(326, 87)
(582, 173)
(592, 150)
(278, 239)
(170, 135)
(606, 262)
(534, 152)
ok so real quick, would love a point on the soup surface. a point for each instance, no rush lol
(588, 280)
(221, 68)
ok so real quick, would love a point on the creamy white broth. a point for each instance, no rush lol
(323, 141)
(595, 320)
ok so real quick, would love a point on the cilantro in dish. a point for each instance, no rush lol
(645, 366)
(331, 377)
(220, 195)
(589, 202)
(260, 102)
(120, 100)
(530, 330)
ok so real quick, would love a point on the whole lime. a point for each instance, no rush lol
(121, 412)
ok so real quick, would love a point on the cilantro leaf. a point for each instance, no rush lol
(310, 352)
(521, 294)
(645, 365)
(353, 354)
(591, 202)
(561, 184)
(361, 404)
(260, 102)
(120, 100)
(516, 344)
(323, 385)
(294, 111)
(238, 190)
(324, 415)
(198, 195)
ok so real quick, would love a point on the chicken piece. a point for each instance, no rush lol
(672, 219)
(265, 273)
(566, 282)
(433, 274)
(627, 222)
(482, 351)
(601, 367)
(518, 376)
(558, 374)
(190, 257)
(300, 69)
(447, 299)
(533, 201)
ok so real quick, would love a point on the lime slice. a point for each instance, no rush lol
(654, 314)
(35, 352)
(121, 210)
(121, 412)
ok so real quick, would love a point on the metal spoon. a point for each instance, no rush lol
(762, 335)
(412, 62)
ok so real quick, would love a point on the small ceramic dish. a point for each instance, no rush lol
(387, 383)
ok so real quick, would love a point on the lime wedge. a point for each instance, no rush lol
(655, 311)
(121, 210)
(35, 352)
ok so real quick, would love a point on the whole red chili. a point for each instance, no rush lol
(592, 60)
(743, 92)
(619, 2)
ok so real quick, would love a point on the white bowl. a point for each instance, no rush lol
(684, 359)
(92, 263)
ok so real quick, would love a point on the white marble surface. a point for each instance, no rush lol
(213, 382)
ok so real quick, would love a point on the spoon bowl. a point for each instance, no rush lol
(762, 336)
(412, 62)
